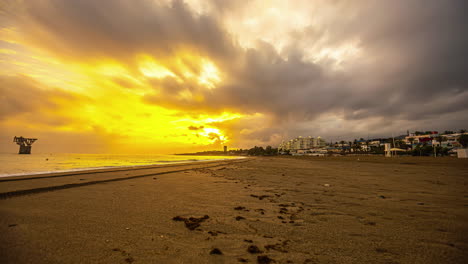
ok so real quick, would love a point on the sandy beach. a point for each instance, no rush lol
(256, 210)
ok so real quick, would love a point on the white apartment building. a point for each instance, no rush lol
(302, 143)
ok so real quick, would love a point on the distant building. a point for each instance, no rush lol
(419, 138)
(462, 153)
(302, 143)
(448, 140)
(225, 149)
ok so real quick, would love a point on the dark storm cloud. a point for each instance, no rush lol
(419, 48)
(265, 82)
(413, 65)
(417, 68)
(120, 28)
(195, 128)
(22, 95)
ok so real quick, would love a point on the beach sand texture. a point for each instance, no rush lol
(257, 210)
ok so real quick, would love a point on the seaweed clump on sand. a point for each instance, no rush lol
(192, 222)
(216, 251)
(265, 260)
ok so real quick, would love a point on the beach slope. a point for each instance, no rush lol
(256, 210)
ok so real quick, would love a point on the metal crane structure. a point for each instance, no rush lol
(25, 144)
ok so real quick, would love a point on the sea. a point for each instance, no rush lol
(17, 165)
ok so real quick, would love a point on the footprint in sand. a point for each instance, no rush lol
(215, 233)
(261, 211)
(264, 260)
(381, 250)
(128, 259)
(280, 247)
(253, 249)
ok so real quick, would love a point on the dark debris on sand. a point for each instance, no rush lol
(264, 260)
(215, 233)
(192, 222)
(252, 249)
(260, 197)
(216, 251)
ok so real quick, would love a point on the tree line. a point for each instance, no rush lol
(260, 151)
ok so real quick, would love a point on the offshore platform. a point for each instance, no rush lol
(25, 144)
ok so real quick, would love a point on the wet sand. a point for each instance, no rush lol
(260, 210)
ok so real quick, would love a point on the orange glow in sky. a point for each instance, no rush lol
(105, 97)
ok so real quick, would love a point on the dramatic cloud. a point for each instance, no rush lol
(121, 28)
(22, 96)
(250, 72)
(195, 128)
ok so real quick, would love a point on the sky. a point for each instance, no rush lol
(147, 76)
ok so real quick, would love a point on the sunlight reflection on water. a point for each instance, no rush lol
(14, 164)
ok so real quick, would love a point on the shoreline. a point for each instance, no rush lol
(13, 187)
(92, 169)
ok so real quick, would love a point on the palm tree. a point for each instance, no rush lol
(440, 139)
(342, 145)
(398, 143)
(411, 140)
(463, 140)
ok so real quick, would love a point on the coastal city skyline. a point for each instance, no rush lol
(175, 76)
